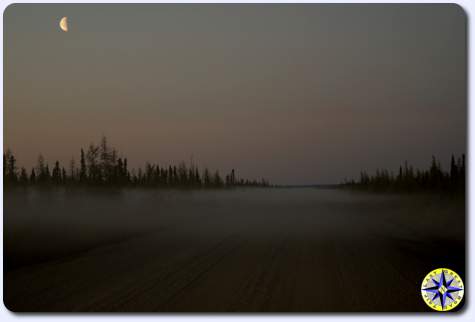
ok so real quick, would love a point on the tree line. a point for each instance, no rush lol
(101, 165)
(408, 179)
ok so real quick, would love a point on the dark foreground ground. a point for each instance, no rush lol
(251, 250)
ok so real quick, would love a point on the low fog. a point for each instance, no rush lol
(42, 225)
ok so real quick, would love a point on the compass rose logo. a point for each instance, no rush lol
(442, 289)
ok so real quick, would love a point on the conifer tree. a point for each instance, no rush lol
(33, 176)
(23, 176)
(56, 174)
(83, 168)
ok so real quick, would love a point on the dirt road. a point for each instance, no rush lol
(265, 250)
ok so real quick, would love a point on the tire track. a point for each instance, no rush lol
(161, 286)
(257, 291)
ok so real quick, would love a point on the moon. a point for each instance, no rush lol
(63, 24)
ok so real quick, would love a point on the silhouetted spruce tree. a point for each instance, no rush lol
(197, 178)
(453, 168)
(100, 165)
(56, 174)
(156, 176)
(41, 170)
(83, 168)
(126, 172)
(206, 178)
(180, 174)
(72, 171)
(191, 176)
(33, 176)
(23, 176)
(64, 176)
(176, 179)
(120, 171)
(139, 177)
(408, 179)
(233, 177)
(47, 174)
(93, 164)
(10, 168)
(107, 162)
(164, 176)
(169, 175)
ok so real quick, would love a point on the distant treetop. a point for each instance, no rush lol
(101, 165)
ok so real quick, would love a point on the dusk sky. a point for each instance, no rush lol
(298, 94)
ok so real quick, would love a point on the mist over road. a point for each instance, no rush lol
(245, 250)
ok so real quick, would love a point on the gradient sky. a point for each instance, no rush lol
(298, 94)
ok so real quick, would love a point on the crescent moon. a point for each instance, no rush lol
(63, 24)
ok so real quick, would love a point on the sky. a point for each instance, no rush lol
(298, 94)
